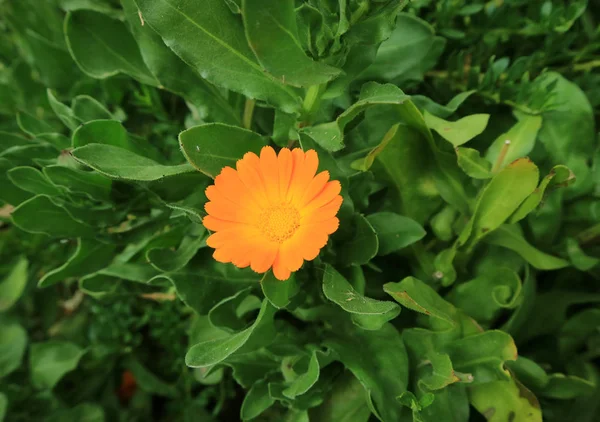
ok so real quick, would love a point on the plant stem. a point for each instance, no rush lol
(311, 100)
(248, 112)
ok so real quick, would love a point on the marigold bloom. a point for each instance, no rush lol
(273, 211)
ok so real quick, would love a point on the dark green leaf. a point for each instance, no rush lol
(273, 36)
(362, 247)
(213, 146)
(214, 44)
(395, 231)
(367, 313)
(13, 342)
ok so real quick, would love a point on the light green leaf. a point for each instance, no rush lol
(50, 361)
(103, 47)
(367, 313)
(500, 198)
(13, 285)
(13, 342)
(521, 139)
(214, 351)
(394, 231)
(559, 176)
(471, 162)
(273, 36)
(509, 237)
(502, 400)
(215, 45)
(212, 146)
(40, 215)
(460, 131)
(363, 245)
(119, 163)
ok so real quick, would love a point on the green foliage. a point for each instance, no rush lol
(462, 283)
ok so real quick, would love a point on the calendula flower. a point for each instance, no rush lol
(272, 211)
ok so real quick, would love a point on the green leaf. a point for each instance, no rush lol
(167, 260)
(3, 406)
(380, 364)
(558, 176)
(86, 109)
(345, 402)
(212, 146)
(227, 314)
(273, 36)
(50, 361)
(111, 132)
(32, 180)
(394, 231)
(578, 258)
(406, 159)
(484, 296)
(40, 215)
(174, 74)
(147, 381)
(460, 131)
(367, 313)
(119, 163)
(331, 135)
(443, 112)
(500, 198)
(84, 412)
(483, 355)
(415, 42)
(471, 162)
(103, 47)
(522, 138)
(64, 113)
(500, 401)
(278, 292)
(89, 183)
(363, 245)
(33, 126)
(214, 44)
(214, 351)
(419, 297)
(257, 400)
(509, 237)
(13, 342)
(8, 140)
(89, 257)
(13, 285)
(306, 380)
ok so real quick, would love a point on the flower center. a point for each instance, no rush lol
(279, 222)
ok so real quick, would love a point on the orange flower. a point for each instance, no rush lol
(272, 211)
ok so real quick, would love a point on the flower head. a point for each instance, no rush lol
(272, 211)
